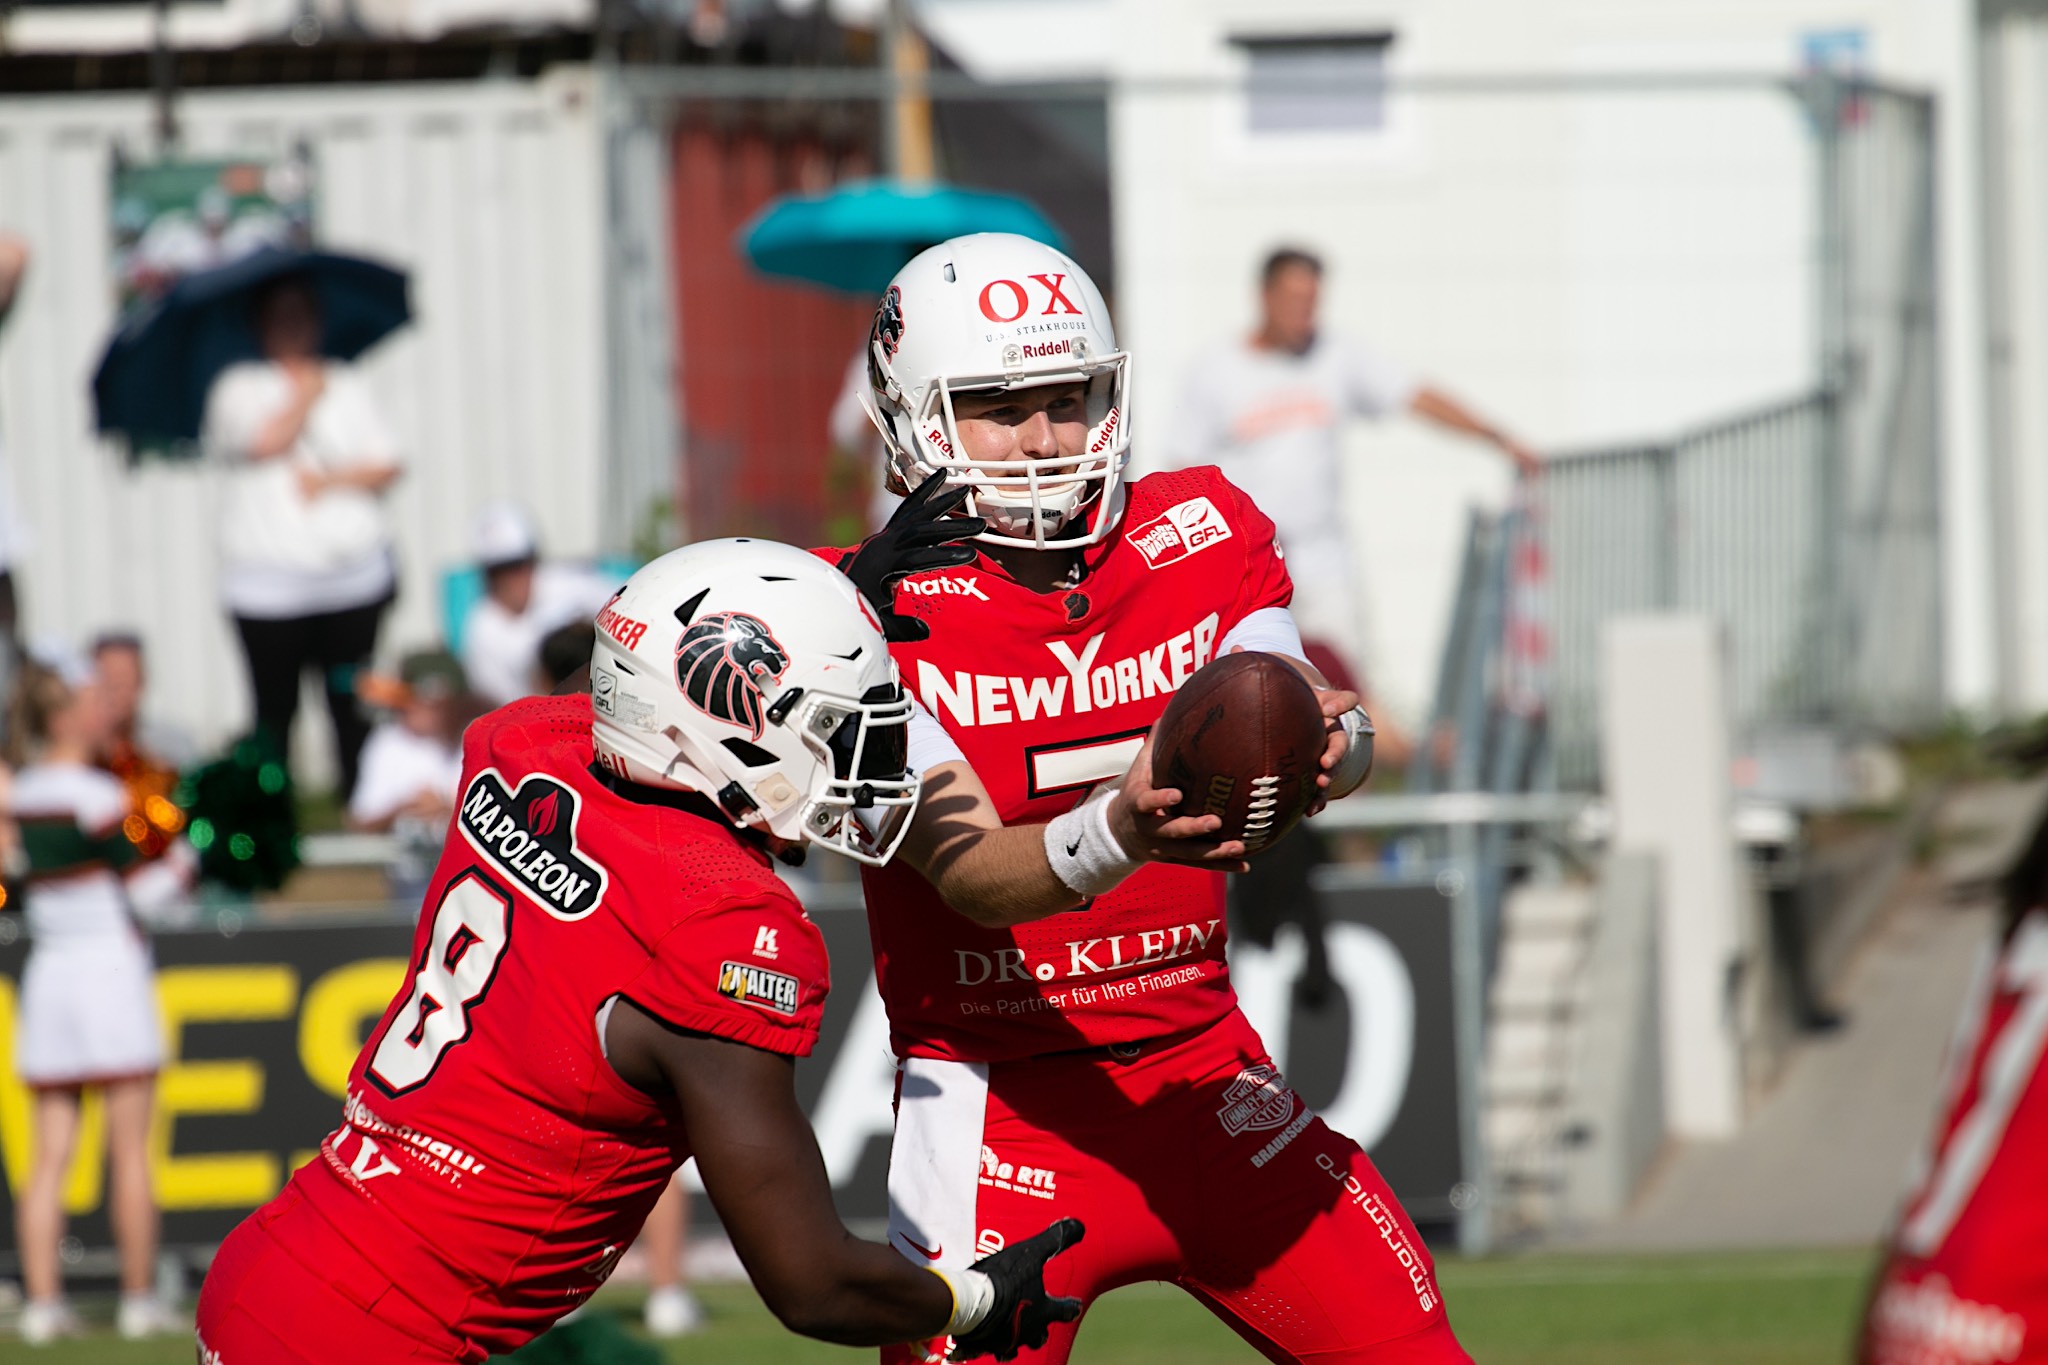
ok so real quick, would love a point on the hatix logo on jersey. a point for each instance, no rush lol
(529, 833)
(1181, 530)
(1255, 1101)
(776, 992)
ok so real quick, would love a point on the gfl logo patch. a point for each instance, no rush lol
(1007, 300)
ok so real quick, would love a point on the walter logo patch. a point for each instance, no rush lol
(775, 992)
(529, 834)
(1183, 529)
(1255, 1101)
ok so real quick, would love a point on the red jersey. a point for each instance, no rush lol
(1047, 695)
(488, 1154)
(1967, 1278)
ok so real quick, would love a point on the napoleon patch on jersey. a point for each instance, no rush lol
(529, 833)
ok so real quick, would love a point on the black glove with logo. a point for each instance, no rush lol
(1023, 1313)
(922, 535)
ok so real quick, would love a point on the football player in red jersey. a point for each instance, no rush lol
(1965, 1280)
(608, 977)
(1091, 1063)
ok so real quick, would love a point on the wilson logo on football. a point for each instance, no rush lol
(775, 992)
(1181, 530)
(1255, 1101)
(721, 662)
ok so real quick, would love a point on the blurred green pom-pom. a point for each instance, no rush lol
(243, 821)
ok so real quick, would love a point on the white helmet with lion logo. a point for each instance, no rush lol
(998, 311)
(754, 674)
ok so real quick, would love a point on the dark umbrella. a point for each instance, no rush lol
(856, 237)
(152, 382)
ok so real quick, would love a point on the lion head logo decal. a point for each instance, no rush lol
(886, 335)
(721, 663)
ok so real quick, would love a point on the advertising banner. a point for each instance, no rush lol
(262, 1026)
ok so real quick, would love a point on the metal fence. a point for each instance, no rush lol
(1810, 528)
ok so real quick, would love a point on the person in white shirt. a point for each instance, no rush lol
(306, 562)
(525, 599)
(412, 762)
(1268, 411)
(412, 768)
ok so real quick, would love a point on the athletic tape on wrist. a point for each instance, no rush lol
(1083, 852)
(974, 1293)
(1356, 765)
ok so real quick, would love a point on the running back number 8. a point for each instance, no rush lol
(472, 927)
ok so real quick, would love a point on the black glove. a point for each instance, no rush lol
(1023, 1313)
(920, 536)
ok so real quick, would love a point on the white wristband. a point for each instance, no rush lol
(973, 1295)
(1082, 851)
(1356, 765)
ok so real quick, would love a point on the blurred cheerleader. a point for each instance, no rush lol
(88, 1001)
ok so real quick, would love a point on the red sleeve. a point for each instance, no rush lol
(1265, 582)
(749, 967)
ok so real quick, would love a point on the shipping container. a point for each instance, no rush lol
(532, 217)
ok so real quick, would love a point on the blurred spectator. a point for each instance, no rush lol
(307, 565)
(672, 1310)
(1268, 409)
(565, 654)
(13, 265)
(413, 760)
(88, 1007)
(412, 767)
(524, 599)
(144, 758)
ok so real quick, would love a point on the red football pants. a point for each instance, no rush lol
(1190, 1161)
(286, 1288)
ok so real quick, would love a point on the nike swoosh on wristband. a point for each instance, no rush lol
(930, 1255)
(1073, 848)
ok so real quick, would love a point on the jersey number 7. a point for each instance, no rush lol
(472, 929)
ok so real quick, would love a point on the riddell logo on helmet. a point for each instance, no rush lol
(1107, 434)
(1007, 300)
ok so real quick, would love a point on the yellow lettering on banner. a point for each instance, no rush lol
(215, 1180)
(83, 1183)
(338, 1009)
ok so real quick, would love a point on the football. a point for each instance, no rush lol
(1243, 739)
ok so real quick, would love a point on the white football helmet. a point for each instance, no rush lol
(753, 673)
(998, 311)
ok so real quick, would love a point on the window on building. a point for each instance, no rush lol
(1317, 83)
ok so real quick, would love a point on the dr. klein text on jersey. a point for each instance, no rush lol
(1081, 684)
(1081, 958)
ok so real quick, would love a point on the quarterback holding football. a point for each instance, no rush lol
(1093, 1063)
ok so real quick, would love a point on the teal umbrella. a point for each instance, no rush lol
(855, 237)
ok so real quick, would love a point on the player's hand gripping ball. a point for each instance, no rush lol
(1023, 1313)
(1243, 739)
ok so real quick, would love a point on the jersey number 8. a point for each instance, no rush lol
(472, 928)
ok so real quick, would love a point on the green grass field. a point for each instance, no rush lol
(1777, 1308)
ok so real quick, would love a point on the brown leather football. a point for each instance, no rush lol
(1243, 739)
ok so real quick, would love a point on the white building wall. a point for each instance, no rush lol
(1582, 267)
(489, 194)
